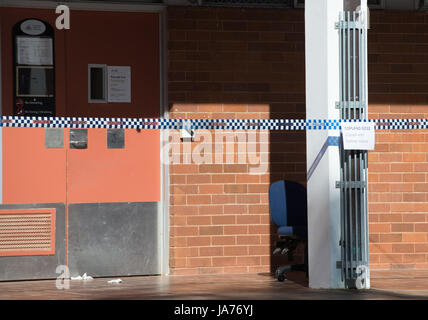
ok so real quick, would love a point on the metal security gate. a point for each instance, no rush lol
(352, 28)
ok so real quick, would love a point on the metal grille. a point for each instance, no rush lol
(27, 232)
(353, 184)
(249, 3)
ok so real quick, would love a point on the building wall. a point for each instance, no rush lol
(229, 63)
(398, 167)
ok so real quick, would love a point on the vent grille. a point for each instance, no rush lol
(376, 4)
(27, 232)
(249, 3)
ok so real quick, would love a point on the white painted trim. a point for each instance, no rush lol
(322, 91)
(164, 113)
(1, 129)
(88, 5)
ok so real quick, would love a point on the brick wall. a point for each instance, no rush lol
(398, 168)
(230, 63)
(235, 63)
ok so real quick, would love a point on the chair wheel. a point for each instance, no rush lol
(281, 278)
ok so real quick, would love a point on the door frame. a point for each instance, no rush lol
(163, 207)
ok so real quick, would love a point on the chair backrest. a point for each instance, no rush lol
(288, 203)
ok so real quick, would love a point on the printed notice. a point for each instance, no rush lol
(34, 51)
(358, 135)
(119, 84)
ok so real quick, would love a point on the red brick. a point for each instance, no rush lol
(390, 237)
(211, 189)
(212, 230)
(198, 220)
(236, 251)
(223, 240)
(223, 178)
(248, 199)
(403, 248)
(414, 157)
(380, 227)
(248, 240)
(224, 261)
(229, 230)
(211, 251)
(198, 179)
(210, 168)
(235, 209)
(222, 220)
(421, 227)
(380, 248)
(210, 210)
(248, 261)
(223, 199)
(199, 262)
(414, 237)
(402, 227)
(198, 199)
(413, 217)
(235, 188)
(198, 241)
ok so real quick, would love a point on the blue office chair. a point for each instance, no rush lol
(288, 209)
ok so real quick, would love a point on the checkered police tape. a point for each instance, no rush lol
(209, 124)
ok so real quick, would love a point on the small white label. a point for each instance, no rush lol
(33, 27)
(119, 84)
(358, 135)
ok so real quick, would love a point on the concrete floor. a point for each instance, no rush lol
(385, 286)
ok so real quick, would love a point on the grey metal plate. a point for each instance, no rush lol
(54, 138)
(78, 138)
(115, 138)
(113, 239)
(36, 267)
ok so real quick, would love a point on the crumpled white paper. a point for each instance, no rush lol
(115, 281)
(84, 277)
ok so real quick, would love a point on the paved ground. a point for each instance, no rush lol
(385, 285)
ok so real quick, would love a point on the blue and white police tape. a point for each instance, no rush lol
(209, 124)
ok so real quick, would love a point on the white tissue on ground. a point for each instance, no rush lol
(84, 277)
(115, 281)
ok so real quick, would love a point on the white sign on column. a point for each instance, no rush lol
(358, 135)
(119, 83)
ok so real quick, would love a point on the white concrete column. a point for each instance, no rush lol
(322, 92)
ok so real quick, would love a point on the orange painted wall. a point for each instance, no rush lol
(32, 173)
(98, 174)
(116, 39)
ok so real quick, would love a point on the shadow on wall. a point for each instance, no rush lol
(233, 63)
(221, 180)
(236, 63)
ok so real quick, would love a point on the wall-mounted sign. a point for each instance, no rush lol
(34, 68)
(34, 51)
(358, 135)
(119, 84)
(33, 27)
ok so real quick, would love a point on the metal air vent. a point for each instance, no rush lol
(27, 232)
(249, 3)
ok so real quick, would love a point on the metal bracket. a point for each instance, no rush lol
(350, 104)
(348, 25)
(351, 184)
